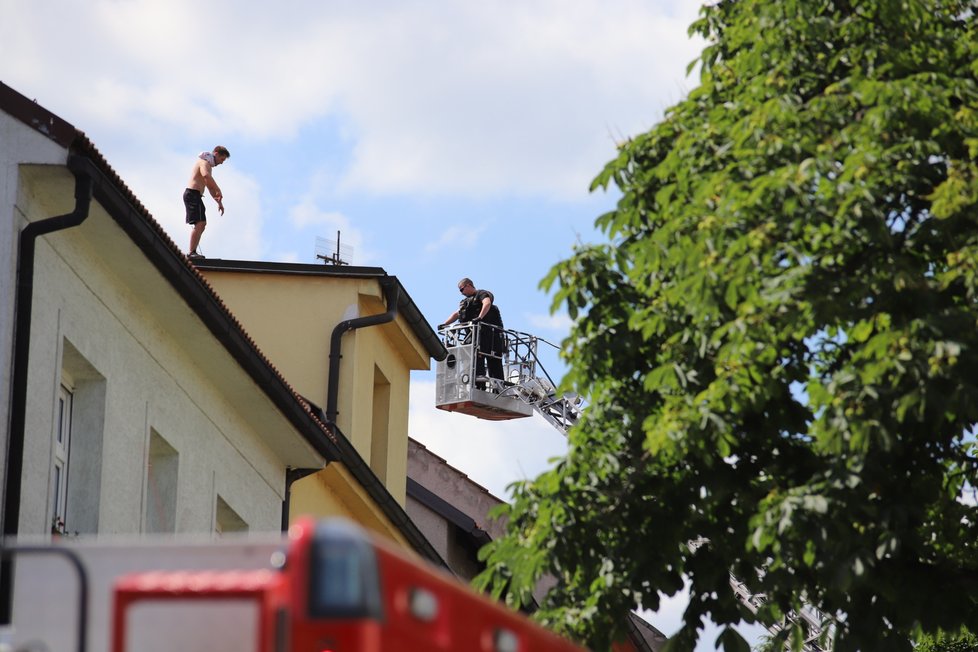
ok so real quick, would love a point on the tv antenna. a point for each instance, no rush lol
(332, 252)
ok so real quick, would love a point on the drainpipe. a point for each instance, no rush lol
(83, 172)
(391, 293)
(292, 476)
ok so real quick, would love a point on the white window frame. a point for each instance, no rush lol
(61, 448)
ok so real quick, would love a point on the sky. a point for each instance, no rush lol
(440, 138)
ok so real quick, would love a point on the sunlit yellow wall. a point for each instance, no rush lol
(291, 318)
(333, 492)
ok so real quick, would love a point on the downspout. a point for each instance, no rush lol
(391, 294)
(357, 466)
(291, 476)
(16, 434)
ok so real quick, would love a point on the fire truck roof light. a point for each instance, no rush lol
(278, 559)
(506, 641)
(423, 605)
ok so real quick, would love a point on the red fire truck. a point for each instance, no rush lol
(340, 591)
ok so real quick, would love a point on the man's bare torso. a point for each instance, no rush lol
(199, 175)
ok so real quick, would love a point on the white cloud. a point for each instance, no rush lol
(448, 97)
(492, 453)
(518, 97)
(456, 238)
(306, 213)
(238, 233)
(560, 323)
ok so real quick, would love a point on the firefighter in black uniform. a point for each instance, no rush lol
(479, 309)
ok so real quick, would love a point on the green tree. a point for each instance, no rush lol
(964, 643)
(779, 341)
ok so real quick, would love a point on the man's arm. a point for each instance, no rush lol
(452, 318)
(486, 304)
(211, 184)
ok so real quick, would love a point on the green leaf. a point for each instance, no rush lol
(732, 641)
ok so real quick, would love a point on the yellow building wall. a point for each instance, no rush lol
(291, 318)
(332, 492)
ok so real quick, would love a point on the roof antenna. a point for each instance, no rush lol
(337, 256)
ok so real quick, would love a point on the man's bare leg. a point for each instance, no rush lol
(195, 236)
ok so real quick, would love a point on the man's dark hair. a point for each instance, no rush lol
(223, 151)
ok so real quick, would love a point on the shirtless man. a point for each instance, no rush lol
(193, 196)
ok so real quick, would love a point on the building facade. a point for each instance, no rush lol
(133, 400)
(347, 338)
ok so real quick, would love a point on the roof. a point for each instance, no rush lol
(406, 307)
(468, 526)
(138, 224)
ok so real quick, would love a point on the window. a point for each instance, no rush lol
(61, 448)
(162, 465)
(380, 425)
(76, 461)
(226, 520)
(344, 581)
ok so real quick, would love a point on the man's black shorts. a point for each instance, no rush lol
(194, 202)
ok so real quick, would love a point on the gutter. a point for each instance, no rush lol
(450, 512)
(351, 458)
(291, 477)
(84, 174)
(391, 293)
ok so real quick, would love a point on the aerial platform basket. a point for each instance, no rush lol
(458, 389)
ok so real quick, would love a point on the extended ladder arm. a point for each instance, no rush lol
(533, 385)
